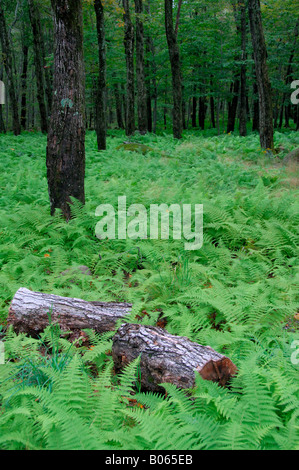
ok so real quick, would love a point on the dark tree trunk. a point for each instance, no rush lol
(140, 70)
(129, 50)
(174, 55)
(101, 120)
(194, 110)
(243, 84)
(9, 69)
(233, 104)
(263, 83)
(2, 125)
(202, 109)
(288, 79)
(66, 138)
(24, 87)
(256, 109)
(151, 81)
(38, 62)
(118, 106)
(212, 105)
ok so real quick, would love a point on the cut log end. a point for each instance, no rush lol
(166, 358)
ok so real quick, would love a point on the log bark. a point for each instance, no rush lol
(30, 313)
(168, 359)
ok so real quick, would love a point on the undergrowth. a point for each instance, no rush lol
(237, 294)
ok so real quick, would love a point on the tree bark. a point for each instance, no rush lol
(66, 138)
(24, 87)
(243, 81)
(233, 104)
(174, 55)
(118, 106)
(101, 120)
(2, 125)
(263, 83)
(129, 51)
(9, 69)
(30, 313)
(202, 109)
(39, 63)
(140, 70)
(168, 359)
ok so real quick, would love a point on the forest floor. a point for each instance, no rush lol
(237, 294)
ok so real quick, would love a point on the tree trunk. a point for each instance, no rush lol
(66, 138)
(24, 87)
(194, 109)
(256, 109)
(2, 125)
(31, 312)
(129, 51)
(101, 119)
(168, 359)
(118, 106)
(140, 67)
(8, 64)
(174, 55)
(243, 85)
(288, 80)
(263, 83)
(39, 63)
(233, 104)
(152, 93)
(202, 109)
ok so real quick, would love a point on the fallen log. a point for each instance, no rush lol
(31, 312)
(168, 359)
(165, 358)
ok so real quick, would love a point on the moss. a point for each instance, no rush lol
(135, 147)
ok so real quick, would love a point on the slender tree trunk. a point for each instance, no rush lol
(9, 69)
(66, 138)
(140, 67)
(129, 50)
(233, 104)
(174, 55)
(2, 125)
(288, 80)
(243, 84)
(118, 106)
(101, 113)
(24, 87)
(152, 92)
(194, 109)
(202, 109)
(38, 62)
(263, 83)
(256, 108)
(212, 106)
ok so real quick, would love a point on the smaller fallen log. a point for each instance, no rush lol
(31, 312)
(168, 359)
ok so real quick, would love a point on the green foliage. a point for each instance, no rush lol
(238, 294)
